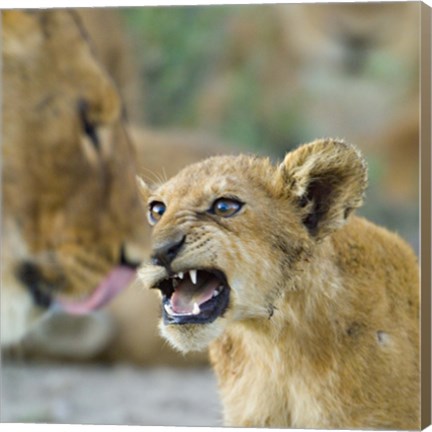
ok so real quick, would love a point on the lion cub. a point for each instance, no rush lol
(311, 313)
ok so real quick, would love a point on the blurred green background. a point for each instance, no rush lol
(181, 47)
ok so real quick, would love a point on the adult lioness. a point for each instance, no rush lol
(68, 183)
(312, 313)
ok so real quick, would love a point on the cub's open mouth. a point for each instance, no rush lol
(194, 296)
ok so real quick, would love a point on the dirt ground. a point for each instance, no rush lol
(117, 395)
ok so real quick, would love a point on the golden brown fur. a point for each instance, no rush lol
(69, 196)
(321, 328)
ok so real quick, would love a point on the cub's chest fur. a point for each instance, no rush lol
(311, 313)
(279, 392)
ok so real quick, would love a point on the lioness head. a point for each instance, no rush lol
(68, 185)
(230, 233)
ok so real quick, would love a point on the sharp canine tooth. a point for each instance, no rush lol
(193, 276)
(196, 309)
(168, 309)
(217, 291)
(180, 275)
(175, 283)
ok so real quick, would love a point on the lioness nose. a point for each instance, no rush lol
(164, 255)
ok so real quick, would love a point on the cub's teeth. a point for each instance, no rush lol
(175, 283)
(196, 309)
(168, 309)
(217, 291)
(180, 275)
(193, 276)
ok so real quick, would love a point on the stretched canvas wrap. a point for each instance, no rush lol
(143, 283)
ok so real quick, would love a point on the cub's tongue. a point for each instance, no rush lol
(118, 279)
(186, 295)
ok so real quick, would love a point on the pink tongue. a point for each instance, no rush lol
(118, 279)
(187, 294)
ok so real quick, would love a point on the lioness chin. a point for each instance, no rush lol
(311, 313)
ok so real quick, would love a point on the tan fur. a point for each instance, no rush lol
(68, 205)
(321, 330)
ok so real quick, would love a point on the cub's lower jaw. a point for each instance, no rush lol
(192, 337)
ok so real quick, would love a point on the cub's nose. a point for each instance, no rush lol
(163, 255)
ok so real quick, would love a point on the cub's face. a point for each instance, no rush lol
(228, 234)
(215, 245)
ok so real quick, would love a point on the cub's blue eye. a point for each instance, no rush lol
(155, 212)
(225, 207)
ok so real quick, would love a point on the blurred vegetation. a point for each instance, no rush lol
(182, 48)
(178, 46)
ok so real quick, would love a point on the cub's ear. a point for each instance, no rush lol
(143, 189)
(327, 179)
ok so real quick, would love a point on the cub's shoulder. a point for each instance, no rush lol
(373, 258)
(360, 237)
